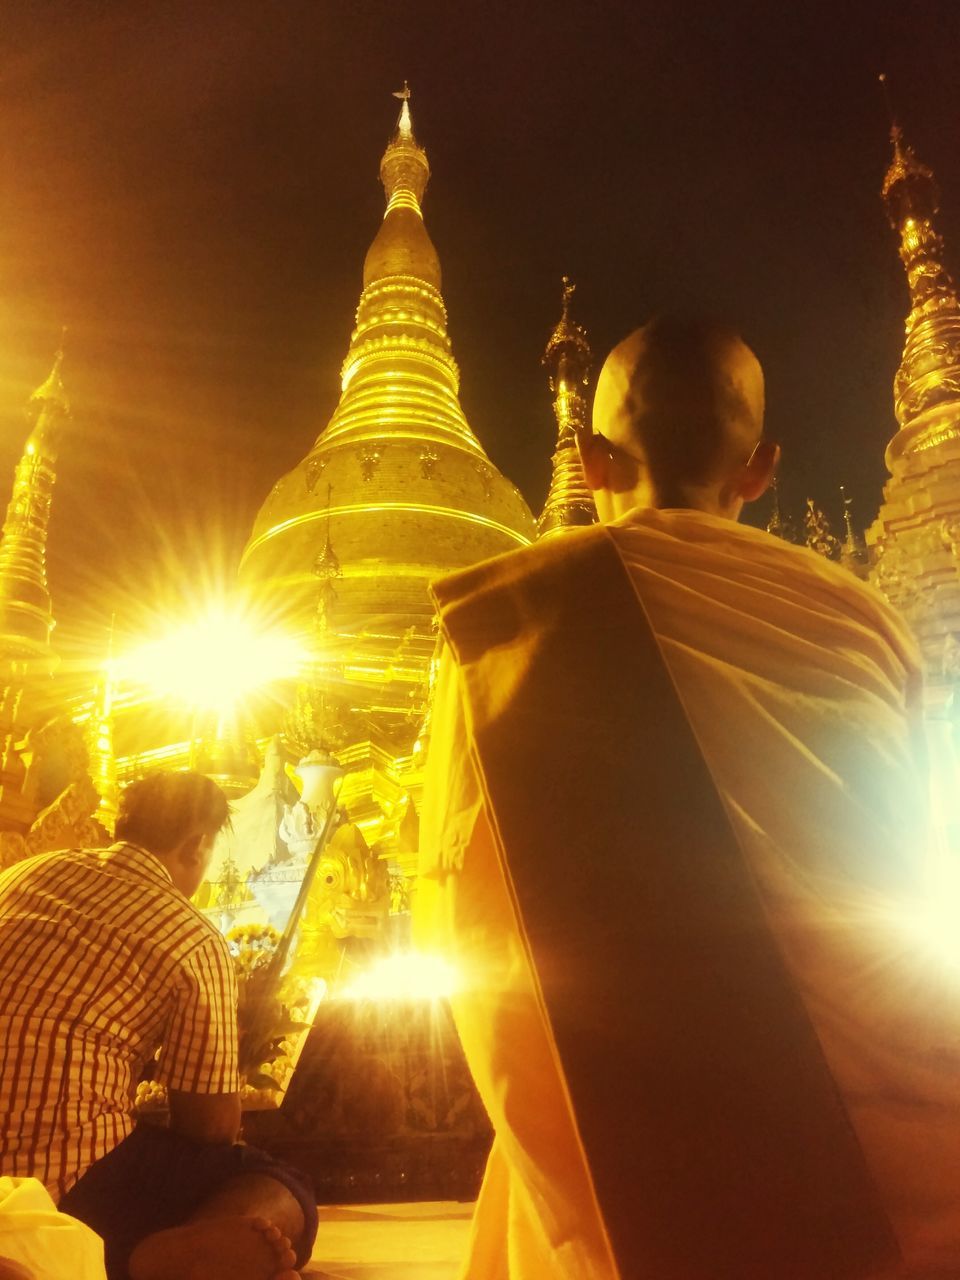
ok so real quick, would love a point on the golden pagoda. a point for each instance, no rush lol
(915, 538)
(568, 358)
(26, 611)
(400, 486)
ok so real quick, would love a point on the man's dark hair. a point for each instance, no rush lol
(162, 809)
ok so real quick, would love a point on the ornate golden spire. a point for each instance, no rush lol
(853, 551)
(399, 371)
(927, 385)
(26, 614)
(568, 359)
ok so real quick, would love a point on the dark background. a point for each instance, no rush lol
(191, 189)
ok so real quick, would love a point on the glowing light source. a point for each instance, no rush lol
(214, 661)
(404, 975)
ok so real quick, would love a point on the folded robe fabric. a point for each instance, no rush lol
(803, 689)
(50, 1245)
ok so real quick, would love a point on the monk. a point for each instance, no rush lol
(674, 839)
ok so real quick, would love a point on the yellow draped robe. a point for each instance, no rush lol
(37, 1241)
(803, 691)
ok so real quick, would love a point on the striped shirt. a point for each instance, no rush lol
(102, 961)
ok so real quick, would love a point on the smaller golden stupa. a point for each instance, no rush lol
(915, 538)
(568, 359)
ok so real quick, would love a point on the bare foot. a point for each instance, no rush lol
(232, 1248)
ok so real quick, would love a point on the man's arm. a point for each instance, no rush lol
(205, 1117)
(198, 1059)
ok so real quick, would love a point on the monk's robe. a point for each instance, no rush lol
(801, 690)
(39, 1241)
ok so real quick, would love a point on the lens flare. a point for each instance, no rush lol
(212, 662)
(404, 975)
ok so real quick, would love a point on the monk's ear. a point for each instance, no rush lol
(759, 471)
(594, 459)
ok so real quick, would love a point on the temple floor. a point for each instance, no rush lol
(423, 1241)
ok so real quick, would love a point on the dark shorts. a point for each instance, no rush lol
(156, 1179)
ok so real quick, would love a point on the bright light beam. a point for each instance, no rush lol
(405, 975)
(213, 662)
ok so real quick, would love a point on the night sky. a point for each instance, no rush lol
(191, 188)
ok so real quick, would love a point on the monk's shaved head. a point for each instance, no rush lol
(684, 397)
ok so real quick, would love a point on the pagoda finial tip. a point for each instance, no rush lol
(568, 288)
(51, 388)
(405, 121)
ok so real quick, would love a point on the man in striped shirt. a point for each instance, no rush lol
(103, 960)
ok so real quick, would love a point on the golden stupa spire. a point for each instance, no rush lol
(853, 551)
(26, 613)
(568, 359)
(927, 385)
(399, 376)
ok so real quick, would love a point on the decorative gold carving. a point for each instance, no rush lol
(428, 461)
(369, 461)
(486, 474)
(351, 894)
(314, 470)
(56, 757)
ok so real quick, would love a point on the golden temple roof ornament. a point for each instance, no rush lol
(405, 123)
(853, 550)
(911, 562)
(26, 612)
(927, 385)
(404, 170)
(818, 534)
(568, 359)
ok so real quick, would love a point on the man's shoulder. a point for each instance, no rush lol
(742, 553)
(552, 556)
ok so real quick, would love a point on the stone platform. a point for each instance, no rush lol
(422, 1241)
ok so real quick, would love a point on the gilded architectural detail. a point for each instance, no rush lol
(780, 524)
(912, 560)
(313, 471)
(369, 461)
(486, 474)
(853, 550)
(26, 612)
(568, 360)
(428, 461)
(929, 374)
(60, 793)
